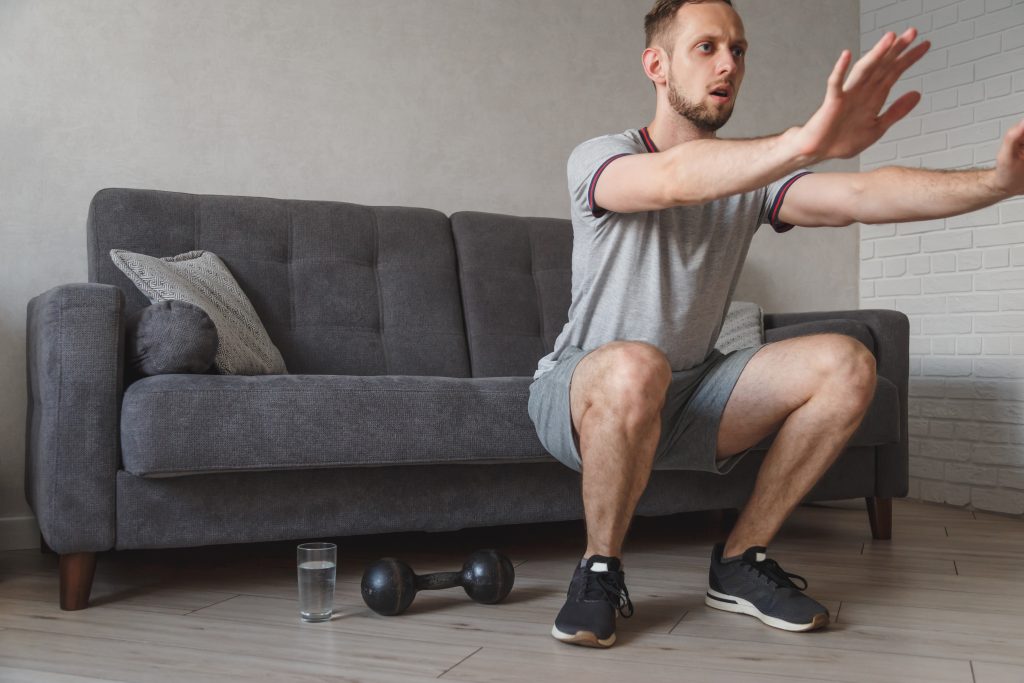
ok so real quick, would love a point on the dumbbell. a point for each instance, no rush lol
(389, 585)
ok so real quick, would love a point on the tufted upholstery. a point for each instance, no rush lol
(371, 293)
(341, 288)
(516, 276)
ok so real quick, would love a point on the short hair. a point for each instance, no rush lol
(659, 19)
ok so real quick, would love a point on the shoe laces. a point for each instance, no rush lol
(773, 571)
(608, 586)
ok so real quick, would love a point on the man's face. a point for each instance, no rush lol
(709, 50)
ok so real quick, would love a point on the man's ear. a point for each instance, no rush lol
(655, 63)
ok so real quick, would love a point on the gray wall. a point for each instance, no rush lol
(448, 104)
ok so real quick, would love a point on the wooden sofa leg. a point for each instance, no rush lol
(76, 572)
(880, 517)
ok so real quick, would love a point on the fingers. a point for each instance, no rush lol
(1015, 139)
(910, 58)
(887, 60)
(866, 63)
(883, 45)
(1012, 149)
(898, 46)
(899, 109)
(838, 75)
(887, 69)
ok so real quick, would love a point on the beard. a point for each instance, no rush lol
(699, 114)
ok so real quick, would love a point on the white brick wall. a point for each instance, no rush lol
(960, 280)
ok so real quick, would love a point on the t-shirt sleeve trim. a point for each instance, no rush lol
(594, 208)
(773, 215)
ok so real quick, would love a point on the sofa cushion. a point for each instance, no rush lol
(742, 328)
(516, 276)
(342, 289)
(170, 337)
(178, 424)
(199, 424)
(201, 278)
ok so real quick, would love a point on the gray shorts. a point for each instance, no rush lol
(694, 405)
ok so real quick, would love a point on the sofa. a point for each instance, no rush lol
(410, 339)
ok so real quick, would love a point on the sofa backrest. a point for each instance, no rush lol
(341, 288)
(516, 277)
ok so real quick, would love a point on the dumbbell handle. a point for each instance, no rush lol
(430, 582)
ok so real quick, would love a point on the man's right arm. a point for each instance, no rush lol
(698, 171)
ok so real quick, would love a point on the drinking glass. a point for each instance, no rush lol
(317, 569)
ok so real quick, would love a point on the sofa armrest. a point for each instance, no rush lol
(852, 328)
(891, 332)
(75, 349)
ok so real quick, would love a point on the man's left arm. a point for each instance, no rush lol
(896, 194)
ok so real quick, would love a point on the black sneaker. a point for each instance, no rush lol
(752, 584)
(596, 592)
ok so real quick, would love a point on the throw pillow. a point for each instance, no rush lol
(170, 337)
(201, 278)
(743, 327)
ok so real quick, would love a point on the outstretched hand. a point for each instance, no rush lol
(1009, 176)
(849, 121)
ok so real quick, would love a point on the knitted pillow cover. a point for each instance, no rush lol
(201, 278)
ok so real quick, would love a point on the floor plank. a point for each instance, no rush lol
(498, 665)
(9, 674)
(710, 660)
(488, 627)
(990, 672)
(95, 638)
(873, 629)
(941, 597)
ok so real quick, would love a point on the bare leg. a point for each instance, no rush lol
(616, 397)
(806, 446)
(818, 389)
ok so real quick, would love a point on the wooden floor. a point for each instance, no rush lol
(942, 601)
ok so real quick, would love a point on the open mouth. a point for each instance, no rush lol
(721, 95)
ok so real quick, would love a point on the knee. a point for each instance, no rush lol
(635, 380)
(849, 368)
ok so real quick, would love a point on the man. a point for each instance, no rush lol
(662, 220)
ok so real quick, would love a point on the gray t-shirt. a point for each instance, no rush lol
(664, 277)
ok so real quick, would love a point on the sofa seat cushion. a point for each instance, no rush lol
(174, 425)
(198, 424)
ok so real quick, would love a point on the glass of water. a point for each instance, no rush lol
(317, 567)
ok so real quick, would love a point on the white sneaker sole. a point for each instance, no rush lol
(584, 638)
(729, 603)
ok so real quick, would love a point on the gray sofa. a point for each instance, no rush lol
(410, 337)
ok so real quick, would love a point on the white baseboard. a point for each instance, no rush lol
(19, 533)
